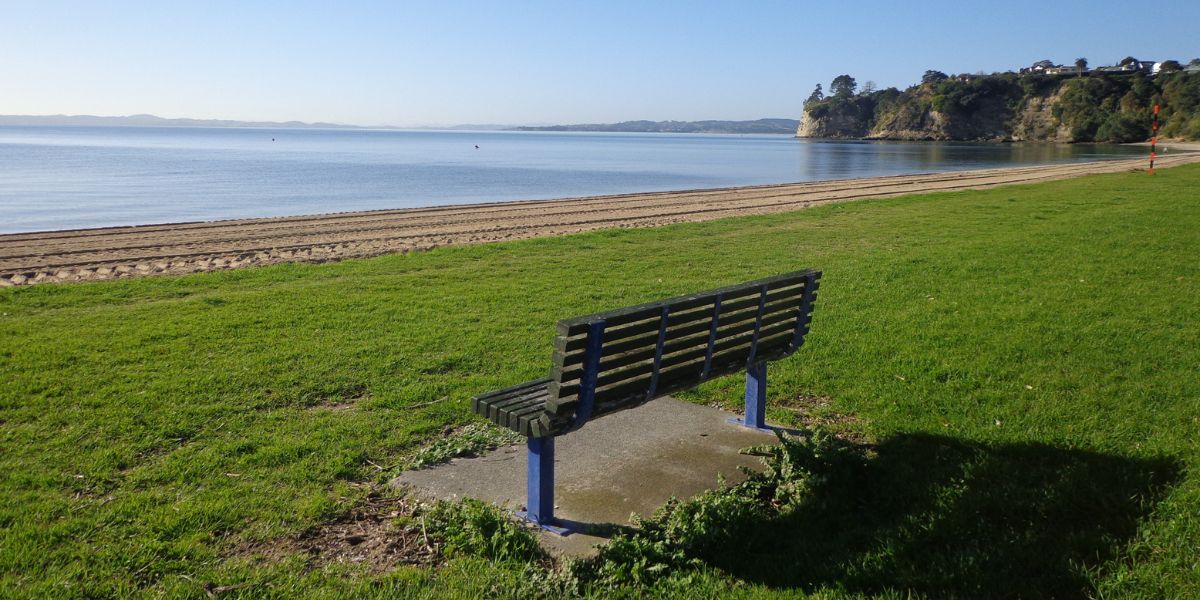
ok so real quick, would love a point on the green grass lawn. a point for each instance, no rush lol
(1026, 360)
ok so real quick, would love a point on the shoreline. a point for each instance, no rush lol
(201, 246)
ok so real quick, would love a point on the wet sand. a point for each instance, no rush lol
(177, 248)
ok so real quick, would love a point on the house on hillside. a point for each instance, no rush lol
(1149, 67)
(1045, 67)
(1040, 66)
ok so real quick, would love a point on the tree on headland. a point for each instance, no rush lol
(933, 77)
(868, 88)
(1170, 66)
(1128, 60)
(1080, 66)
(816, 96)
(843, 86)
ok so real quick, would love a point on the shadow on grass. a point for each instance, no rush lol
(944, 518)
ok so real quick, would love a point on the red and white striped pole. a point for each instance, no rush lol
(1153, 139)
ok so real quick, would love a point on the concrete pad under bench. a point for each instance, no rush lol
(630, 462)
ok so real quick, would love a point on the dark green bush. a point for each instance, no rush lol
(681, 535)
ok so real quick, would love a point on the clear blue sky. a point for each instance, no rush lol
(446, 62)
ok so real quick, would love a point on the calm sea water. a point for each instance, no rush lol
(68, 177)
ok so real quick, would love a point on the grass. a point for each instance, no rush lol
(1026, 358)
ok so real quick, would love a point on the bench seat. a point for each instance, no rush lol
(521, 408)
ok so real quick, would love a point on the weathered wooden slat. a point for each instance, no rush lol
(771, 348)
(528, 426)
(507, 415)
(494, 408)
(633, 314)
(686, 376)
(649, 324)
(502, 413)
(692, 359)
(679, 340)
(502, 393)
(513, 418)
(489, 405)
(689, 356)
(577, 325)
(775, 311)
(678, 317)
(700, 313)
(563, 406)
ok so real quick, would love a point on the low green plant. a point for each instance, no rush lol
(798, 467)
(682, 534)
(472, 440)
(474, 528)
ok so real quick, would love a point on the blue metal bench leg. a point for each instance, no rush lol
(539, 485)
(756, 398)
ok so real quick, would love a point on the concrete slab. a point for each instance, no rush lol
(629, 462)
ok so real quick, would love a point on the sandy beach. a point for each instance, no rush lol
(177, 248)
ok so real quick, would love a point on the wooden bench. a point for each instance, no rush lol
(620, 359)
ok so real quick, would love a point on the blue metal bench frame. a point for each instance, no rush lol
(540, 470)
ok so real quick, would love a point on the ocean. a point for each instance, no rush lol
(73, 177)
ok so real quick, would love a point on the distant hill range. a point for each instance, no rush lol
(781, 126)
(149, 121)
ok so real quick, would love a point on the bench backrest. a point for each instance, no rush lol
(620, 359)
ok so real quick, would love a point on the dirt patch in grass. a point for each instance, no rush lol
(379, 533)
(336, 406)
(817, 411)
(343, 401)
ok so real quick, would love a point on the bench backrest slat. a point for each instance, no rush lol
(712, 336)
(662, 347)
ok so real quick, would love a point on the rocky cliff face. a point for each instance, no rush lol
(1010, 107)
(909, 121)
(1036, 123)
(914, 115)
(838, 119)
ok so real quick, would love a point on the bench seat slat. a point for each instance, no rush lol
(514, 416)
(498, 413)
(511, 390)
(497, 405)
